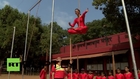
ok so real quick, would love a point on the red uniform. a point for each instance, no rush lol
(128, 76)
(139, 75)
(69, 76)
(75, 75)
(90, 76)
(52, 70)
(110, 77)
(43, 74)
(119, 76)
(103, 77)
(98, 77)
(83, 76)
(82, 28)
(59, 72)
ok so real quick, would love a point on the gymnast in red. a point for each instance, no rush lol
(69, 75)
(119, 75)
(82, 28)
(90, 75)
(43, 73)
(82, 75)
(103, 75)
(127, 74)
(110, 75)
(98, 76)
(139, 73)
(76, 74)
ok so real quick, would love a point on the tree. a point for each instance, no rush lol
(112, 9)
(58, 38)
(9, 18)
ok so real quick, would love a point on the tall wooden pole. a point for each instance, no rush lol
(77, 63)
(70, 56)
(113, 63)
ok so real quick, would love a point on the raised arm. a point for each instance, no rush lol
(83, 15)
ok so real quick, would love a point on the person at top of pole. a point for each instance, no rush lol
(80, 21)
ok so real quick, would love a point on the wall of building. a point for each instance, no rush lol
(101, 45)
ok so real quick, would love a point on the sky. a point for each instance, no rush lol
(63, 13)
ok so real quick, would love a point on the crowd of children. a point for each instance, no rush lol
(102, 75)
(96, 75)
(58, 72)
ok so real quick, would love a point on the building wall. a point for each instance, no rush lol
(105, 63)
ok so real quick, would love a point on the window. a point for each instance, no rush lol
(95, 64)
(120, 62)
(95, 67)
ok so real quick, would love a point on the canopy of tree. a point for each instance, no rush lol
(38, 37)
(113, 11)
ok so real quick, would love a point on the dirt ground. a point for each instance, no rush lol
(14, 76)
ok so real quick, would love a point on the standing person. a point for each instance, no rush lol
(128, 74)
(52, 68)
(98, 75)
(69, 74)
(139, 73)
(80, 20)
(90, 75)
(76, 74)
(57, 71)
(119, 75)
(110, 75)
(103, 75)
(43, 73)
(83, 74)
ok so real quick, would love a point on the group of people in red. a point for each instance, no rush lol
(102, 75)
(80, 21)
(57, 72)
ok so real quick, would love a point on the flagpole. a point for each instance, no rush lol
(52, 20)
(130, 40)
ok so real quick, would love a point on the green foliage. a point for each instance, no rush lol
(113, 11)
(38, 36)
